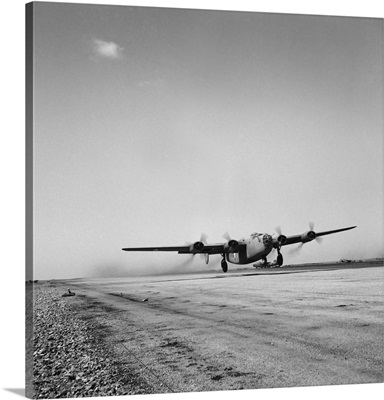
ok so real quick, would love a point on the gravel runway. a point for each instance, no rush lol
(247, 329)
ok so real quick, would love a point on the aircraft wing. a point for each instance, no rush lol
(310, 235)
(218, 248)
(170, 248)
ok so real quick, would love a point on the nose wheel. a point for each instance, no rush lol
(224, 265)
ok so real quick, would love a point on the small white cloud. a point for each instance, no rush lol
(107, 49)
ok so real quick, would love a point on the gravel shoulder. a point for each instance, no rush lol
(71, 356)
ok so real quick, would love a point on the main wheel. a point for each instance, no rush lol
(280, 259)
(224, 266)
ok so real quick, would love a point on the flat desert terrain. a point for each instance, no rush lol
(318, 324)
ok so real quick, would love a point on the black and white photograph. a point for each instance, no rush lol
(203, 201)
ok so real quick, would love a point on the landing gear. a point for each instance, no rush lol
(224, 265)
(279, 259)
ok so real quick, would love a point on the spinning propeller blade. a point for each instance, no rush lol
(296, 249)
(227, 236)
(203, 237)
(312, 227)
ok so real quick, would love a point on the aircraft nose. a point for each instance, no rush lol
(267, 240)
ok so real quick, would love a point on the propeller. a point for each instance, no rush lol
(319, 240)
(278, 230)
(296, 249)
(227, 236)
(203, 239)
(280, 236)
(231, 242)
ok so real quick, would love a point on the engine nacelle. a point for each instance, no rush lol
(231, 246)
(197, 246)
(308, 236)
(279, 240)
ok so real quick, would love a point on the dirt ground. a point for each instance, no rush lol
(292, 326)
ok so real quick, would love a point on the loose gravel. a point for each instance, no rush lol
(70, 357)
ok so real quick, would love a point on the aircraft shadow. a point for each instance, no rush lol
(314, 268)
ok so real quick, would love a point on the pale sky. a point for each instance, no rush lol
(155, 125)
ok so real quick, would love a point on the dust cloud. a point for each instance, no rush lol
(188, 264)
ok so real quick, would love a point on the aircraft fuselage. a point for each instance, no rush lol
(258, 245)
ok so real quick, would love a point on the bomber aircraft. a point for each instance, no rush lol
(245, 250)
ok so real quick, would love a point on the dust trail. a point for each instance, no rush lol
(187, 264)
